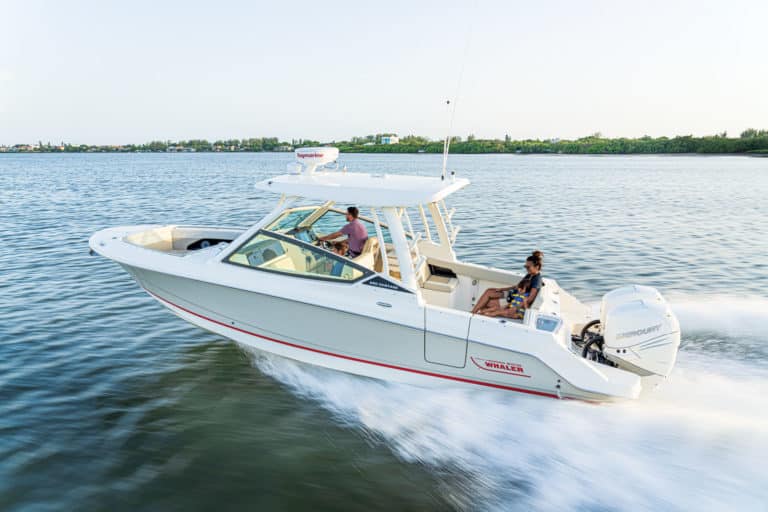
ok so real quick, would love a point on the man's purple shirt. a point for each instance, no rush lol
(357, 235)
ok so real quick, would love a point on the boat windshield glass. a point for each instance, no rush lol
(291, 219)
(278, 253)
(333, 220)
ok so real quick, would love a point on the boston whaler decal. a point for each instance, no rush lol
(499, 366)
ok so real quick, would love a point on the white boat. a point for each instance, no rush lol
(400, 311)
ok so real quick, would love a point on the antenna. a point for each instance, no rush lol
(447, 142)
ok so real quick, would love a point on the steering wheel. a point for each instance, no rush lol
(591, 340)
(305, 234)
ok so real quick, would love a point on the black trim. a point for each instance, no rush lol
(366, 271)
(381, 282)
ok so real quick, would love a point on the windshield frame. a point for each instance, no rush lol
(311, 209)
(365, 272)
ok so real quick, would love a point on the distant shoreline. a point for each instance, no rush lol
(61, 153)
(751, 142)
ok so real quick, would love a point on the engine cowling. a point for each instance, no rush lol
(641, 333)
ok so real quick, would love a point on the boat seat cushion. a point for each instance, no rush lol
(369, 254)
(441, 284)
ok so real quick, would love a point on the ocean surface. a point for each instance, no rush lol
(110, 402)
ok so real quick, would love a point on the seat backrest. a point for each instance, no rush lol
(369, 254)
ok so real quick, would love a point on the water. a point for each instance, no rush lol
(107, 401)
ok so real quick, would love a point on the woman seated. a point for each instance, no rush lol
(512, 302)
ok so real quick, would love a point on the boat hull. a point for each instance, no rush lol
(348, 342)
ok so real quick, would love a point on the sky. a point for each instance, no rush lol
(128, 72)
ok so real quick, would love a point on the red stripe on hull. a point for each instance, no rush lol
(357, 359)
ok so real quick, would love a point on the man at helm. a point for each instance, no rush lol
(355, 231)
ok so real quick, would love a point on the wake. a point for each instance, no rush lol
(699, 442)
(723, 314)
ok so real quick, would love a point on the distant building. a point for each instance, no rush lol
(390, 139)
(284, 148)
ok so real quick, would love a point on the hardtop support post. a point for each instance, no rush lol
(442, 232)
(403, 252)
(382, 245)
(427, 231)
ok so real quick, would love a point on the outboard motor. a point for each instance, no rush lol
(638, 332)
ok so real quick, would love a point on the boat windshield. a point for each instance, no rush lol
(330, 221)
(278, 253)
(290, 219)
(333, 220)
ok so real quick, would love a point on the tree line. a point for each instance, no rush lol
(749, 141)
